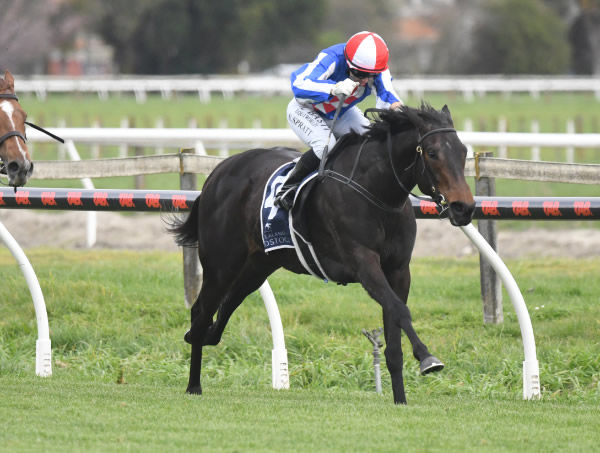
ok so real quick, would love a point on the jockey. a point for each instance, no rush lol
(350, 72)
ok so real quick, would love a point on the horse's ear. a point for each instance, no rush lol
(446, 112)
(10, 81)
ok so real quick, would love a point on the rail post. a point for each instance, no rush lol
(491, 287)
(43, 345)
(192, 270)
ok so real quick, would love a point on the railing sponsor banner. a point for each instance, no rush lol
(500, 208)
(98, 200)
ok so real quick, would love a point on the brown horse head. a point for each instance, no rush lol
(15, 160)
(444, 156)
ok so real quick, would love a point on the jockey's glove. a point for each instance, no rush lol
(344, 88)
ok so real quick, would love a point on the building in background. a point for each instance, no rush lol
(89, 55)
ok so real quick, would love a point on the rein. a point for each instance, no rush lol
(438, 198)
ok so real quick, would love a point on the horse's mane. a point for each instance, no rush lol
(396, 121)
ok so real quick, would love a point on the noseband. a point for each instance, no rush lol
(19, 134)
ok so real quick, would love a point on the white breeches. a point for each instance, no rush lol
(314, 130)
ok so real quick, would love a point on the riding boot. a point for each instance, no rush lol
(308, 163)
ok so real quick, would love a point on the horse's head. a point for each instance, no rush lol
(15, 160)
(443, 156)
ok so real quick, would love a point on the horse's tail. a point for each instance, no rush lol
(185, 230)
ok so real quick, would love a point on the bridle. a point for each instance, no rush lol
(19, 134)
(16, 133)
(437, 197)
(11, 133)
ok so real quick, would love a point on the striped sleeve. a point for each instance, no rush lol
(386, 95)
(310, 82)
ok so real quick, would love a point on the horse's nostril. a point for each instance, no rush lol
(460, 208)
(13, 167)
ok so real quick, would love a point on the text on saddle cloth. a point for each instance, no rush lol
(274, 221)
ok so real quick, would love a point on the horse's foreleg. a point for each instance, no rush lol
(395, 317)
(394, 358)
(400, 281)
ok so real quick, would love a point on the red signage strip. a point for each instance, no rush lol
(523, 208)
(97, 200)
(500, 208)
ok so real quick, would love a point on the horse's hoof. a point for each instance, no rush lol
(188, 337)
(195, 390)
(430, 365)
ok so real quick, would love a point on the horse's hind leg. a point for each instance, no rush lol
(225, 298)
(253, 274)
(203, 310)
(202, 314)
(194, 386)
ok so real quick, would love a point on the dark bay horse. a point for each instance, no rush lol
(15, 161)
(358, 216)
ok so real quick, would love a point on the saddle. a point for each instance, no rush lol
(283, 229)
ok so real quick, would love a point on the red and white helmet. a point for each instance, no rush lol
(367, 52)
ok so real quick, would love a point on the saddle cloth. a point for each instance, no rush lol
(277, 224)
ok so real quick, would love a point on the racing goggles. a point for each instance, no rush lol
(361, 74)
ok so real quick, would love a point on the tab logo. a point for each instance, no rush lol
(490, 208)
(428, 207)
(74, 199)
(521, 208)
(22, 198)
(153, 200)
(101, 199)
(126, 200)
(48, 198)
(551, 208)
(179, 201)
(582, 208)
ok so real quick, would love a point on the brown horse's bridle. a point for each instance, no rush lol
(11, 133)
(22, 136)
(19, 134)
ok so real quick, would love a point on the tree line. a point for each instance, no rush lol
(226, 36)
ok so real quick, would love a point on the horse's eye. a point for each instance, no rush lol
(431, 153)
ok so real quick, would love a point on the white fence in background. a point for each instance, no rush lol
(232, 138)
(227, 86)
